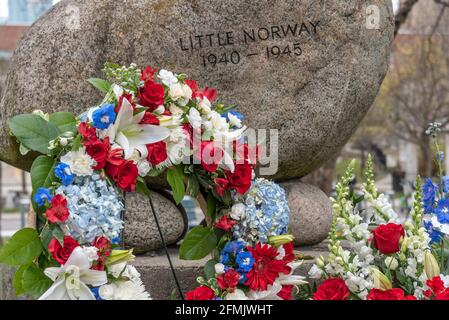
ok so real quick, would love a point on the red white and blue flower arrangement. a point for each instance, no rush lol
(148, 123)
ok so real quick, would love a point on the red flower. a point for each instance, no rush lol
(115, 157)
(229, 280)
(62, 253)
(58, 211)
(127, 96)
(157, 152)
(210, 155)
(193, 86)
(209, 93)
(266, 267)
(289, 252)
(147, 73)
(387, 236)
(98, 150)
(225, 223)
(240, 179)
(151, 95)
(444, 295)
(150, 118)
(392, 294)
(332, 289)
(125, 174)
(104, 246)
(221, 186)
(201, 293)
(436, 286)
(285, 293)
(86, 131)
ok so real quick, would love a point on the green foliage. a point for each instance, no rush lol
(42, 174)
(24, 247)
(209, 269)
(211, 206)
(33, 132)
(17, 280)
(369, 185)
(102, 85)
(198, 243)
(141, 187)
(193, 186)
(34, 281)
(64, 121)
(175, 178)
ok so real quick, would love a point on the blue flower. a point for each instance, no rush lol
(41, 196)
(442, 211)
(63, 172)
(234, 247)
(104, 116)
(446, 184)
(116, 240)
(245, 261)
(435, 235)
(243, 278)
(429, 192)
(96, 293)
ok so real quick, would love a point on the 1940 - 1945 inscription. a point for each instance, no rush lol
(231, 47)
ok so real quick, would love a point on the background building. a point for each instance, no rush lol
(25, 12)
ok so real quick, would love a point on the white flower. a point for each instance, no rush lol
(219, 123)
(205, 106)
(91, 253)
(269, 294)
(315, 272)
(175, 110)
(234, 121)
(167, 77)
(116, 269)
(71, 279)
(180, 93)
(238, 211)
(130, 135)
(445, 279)
(130, 290)
(219, 268)
(281, 253)
(106, 292)
(143, 167)
(80, 162)
(290, 279)
(159, 110)
(194, 118)
(236, 295)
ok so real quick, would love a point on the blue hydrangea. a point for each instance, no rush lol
(429, 192)
(104, 116)
(266, 214)
(245, 260)
(442, 211)
(95, 209)
(63, 172)
(435, 235)
(41, 196)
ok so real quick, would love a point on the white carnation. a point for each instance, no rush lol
(80, 162)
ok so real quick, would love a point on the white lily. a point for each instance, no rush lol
(270, 294)
(71, 279)
(291, 279)
(130, 135)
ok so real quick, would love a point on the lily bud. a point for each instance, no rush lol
(118, 256)
(277, 241)
(431, 265)
(380, 280)
(391, 263)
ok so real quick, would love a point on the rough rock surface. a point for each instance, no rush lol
(311, 212)
(141, 232)
(315, 91)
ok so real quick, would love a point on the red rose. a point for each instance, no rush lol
(332, 289)
(240, 179)
(392, 294)
(387, 236)
(62, 253)
(58, 211)
(157, 152)
(225, 223)
(228, 280)
(151, 95)
(125, 96)
(86, 131)
(125, 174)
(98, 150)
(147, 73)
(209, 155)
(149, 118)
(285, 293)
(201, 293)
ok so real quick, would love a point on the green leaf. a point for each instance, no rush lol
(22, 248)
(42, 174)
(64, 121)
(193, 186)
(35, 282)
(17, 281)
(142, 188)
(198, 243)
(76, 144)
(100, 84)
(175, 179)
(211, 205)
(33, 132)
(209, 269)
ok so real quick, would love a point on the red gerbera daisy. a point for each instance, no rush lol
(266, 267)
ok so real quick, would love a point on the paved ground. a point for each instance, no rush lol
(9, 224)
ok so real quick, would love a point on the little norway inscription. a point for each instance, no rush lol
(232, 47)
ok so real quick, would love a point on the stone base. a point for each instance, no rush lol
(156, 273)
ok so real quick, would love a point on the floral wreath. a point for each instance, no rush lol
(147, 124)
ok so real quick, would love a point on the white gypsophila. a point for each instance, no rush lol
(181, 93)
(238, 211)
(205, 106)
(80, 162)
(91, 253)
(234, 121)
(194, 118)
(219, 268)
(167, 77)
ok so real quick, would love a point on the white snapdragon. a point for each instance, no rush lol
(234, 121)
(167, 77)
(80, 162)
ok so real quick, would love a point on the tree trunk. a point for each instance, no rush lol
(426, 157)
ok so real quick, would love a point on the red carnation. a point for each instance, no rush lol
(157, 152)
(147, 73)
(285, 293)
(332, 289)
(151, 95)
(58, 211)
(125, 174)
(210, 155)
(127, 96)
(98, 150)
(392, 294)
(201, 293)
(225, 223)
(240, 179)
(266, 267)
(228, 280)
(150, 118)
(86, 131)
(62, 253)
(387, 237)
